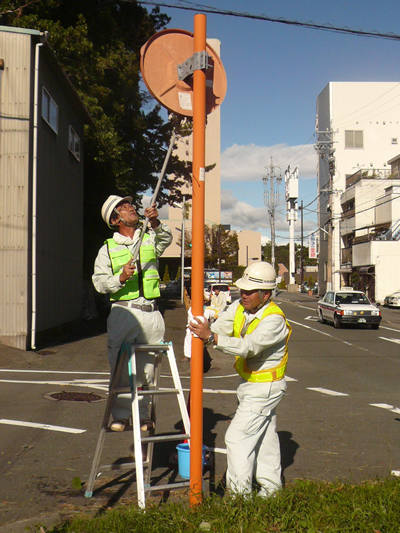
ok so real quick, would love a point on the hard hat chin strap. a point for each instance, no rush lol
(263, 302)
(122, 220)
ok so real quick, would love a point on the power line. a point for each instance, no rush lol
(368, 208)
(310, 25)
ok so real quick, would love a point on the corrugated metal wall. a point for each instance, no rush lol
(15, 49)
(59, 211)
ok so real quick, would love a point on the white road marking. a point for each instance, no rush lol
(204, 377)
(40, 426)
(386, 406)
(53, 371)
(312, 329)
(315, 318)
(382, 405)
(327, 391)
(390, 329)
(214, 391)
(59, 383)
(397, 341)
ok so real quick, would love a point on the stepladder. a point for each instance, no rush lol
(143, 442)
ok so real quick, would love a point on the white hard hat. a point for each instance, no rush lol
(258, 275)
(110, 204)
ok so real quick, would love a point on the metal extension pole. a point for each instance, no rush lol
(155, 194)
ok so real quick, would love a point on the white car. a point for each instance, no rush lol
(393, 300)
(348, 307)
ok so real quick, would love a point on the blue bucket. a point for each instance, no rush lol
(184, 460)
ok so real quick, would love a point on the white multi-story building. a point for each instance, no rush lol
(358, 125)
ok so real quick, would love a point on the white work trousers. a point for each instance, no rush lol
(251, 440)
(133, 326)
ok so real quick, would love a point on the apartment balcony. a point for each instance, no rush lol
(348, 225)
(347, 255)
(369, 173)
(349, 213)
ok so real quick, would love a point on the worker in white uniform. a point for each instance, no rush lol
(133, 289)
(218, 303)
(256, 332)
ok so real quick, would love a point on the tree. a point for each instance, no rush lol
(220, 246)
(282, 255)
(98, 44)
(166, 278)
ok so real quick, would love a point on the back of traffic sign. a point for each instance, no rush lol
(162, 62)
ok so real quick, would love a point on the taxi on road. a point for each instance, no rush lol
(348, 307)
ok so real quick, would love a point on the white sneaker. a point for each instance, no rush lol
(147, 425)
(119, 425)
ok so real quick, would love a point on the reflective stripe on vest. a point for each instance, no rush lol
(120, 255)
(270, 374)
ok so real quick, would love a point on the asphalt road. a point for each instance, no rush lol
(340, 418)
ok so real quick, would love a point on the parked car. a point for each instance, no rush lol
(348, 307)
(173, 285)
(393, 300)
(208, 292)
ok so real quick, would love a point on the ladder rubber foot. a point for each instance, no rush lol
(88, 494)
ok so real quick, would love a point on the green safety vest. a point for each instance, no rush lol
(120, 255)
(269, 374)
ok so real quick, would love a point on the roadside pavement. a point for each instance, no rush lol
(40, 469)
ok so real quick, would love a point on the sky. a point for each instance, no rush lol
(275, 73)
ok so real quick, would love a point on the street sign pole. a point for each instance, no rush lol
(198, 186)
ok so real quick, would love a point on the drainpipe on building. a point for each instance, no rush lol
(34, 185)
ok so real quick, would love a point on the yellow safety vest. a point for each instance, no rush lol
(270, 374)
(120, 255)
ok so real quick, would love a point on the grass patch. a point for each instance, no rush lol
(302, 507)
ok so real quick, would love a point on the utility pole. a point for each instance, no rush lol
(271, 200)
(326, 152)
(291, 195)
(301, 253)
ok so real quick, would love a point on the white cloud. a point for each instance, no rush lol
(248, 163)
(243, 216)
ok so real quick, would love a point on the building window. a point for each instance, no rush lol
(49, 110)
(394, 140)
(74, 144)
(353, 139)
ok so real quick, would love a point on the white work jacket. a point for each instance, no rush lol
(263, 348)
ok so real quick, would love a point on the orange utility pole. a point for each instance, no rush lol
(198, 185)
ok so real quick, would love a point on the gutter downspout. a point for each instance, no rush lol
(34, 187)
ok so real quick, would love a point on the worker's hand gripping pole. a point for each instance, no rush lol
(155, 194)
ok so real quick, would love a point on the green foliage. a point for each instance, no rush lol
(302, 507)
(77, 483)
(282, 284)
(282, 255)
(238, 272)
(310, 282)
(220, 244)
(178, 273)
(166, 278)
(98, 44)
